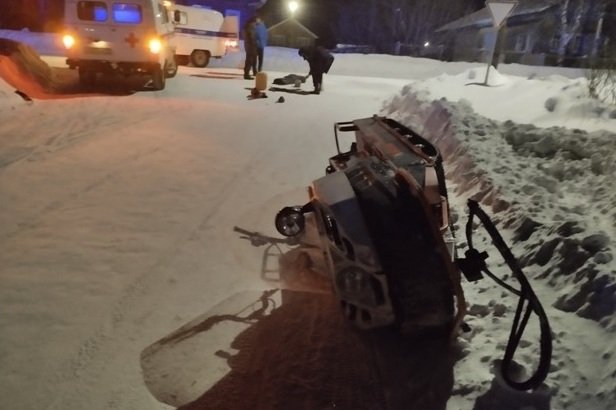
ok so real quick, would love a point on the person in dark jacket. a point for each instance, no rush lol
(320, 60)
(261, 31)
(250, 46)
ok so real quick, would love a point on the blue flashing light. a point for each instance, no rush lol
(100, 13)
(127, 13)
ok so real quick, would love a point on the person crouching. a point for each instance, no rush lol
(320, 60)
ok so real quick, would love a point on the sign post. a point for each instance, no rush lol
(499, 10)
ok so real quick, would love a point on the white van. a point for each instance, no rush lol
(201, 34)
(128, 36)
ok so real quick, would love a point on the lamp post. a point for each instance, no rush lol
(293, 6)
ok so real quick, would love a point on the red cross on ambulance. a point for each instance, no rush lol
(132, 40)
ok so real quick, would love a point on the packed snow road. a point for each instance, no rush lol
(117, 220)
(126, 286)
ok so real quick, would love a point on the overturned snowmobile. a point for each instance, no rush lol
(382, 215)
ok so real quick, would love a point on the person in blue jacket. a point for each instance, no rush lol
(261, 34)
(250, 46)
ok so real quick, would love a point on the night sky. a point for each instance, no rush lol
(317, 15)
(320, 15)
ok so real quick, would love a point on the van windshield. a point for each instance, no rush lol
(127, 13)
(92, 11)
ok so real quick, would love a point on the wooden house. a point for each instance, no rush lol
(290, 33)
(530, 35)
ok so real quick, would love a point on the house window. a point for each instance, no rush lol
(523, 42)
(555, 42)
(519, 43)
(577, 45)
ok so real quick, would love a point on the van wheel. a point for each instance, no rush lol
(200, 58)
(172, 69)
(87, 77)
(159, 77)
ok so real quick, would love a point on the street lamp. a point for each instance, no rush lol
(293, 6)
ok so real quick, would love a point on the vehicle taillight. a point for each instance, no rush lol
(231, 44)
(68, 41)
(155, 45)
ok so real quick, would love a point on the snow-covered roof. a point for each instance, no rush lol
(293, 21)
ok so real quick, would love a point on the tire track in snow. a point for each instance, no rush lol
(78, 130)
(34, 222)
(136, 302)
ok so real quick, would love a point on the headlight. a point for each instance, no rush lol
(68, 40)
(155, 46)
(290, 221)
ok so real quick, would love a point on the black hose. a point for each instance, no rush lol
(527, 295)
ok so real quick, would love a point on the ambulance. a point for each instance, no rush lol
(126, 36)
(202, 34)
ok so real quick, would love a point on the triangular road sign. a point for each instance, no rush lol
(500, 10)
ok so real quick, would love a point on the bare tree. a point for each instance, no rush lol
(386, 24)
(601, 78)
(571, 17)
(601, 8)
(354, 22)
(601, 74)
(417, 19)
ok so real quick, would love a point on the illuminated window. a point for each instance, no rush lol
(180, 17)
(126, 13)
(92, 11)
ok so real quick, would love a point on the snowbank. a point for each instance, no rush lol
(553, 190)
(540, 183)
(22, 68)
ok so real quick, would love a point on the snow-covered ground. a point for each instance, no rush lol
(116, 229)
